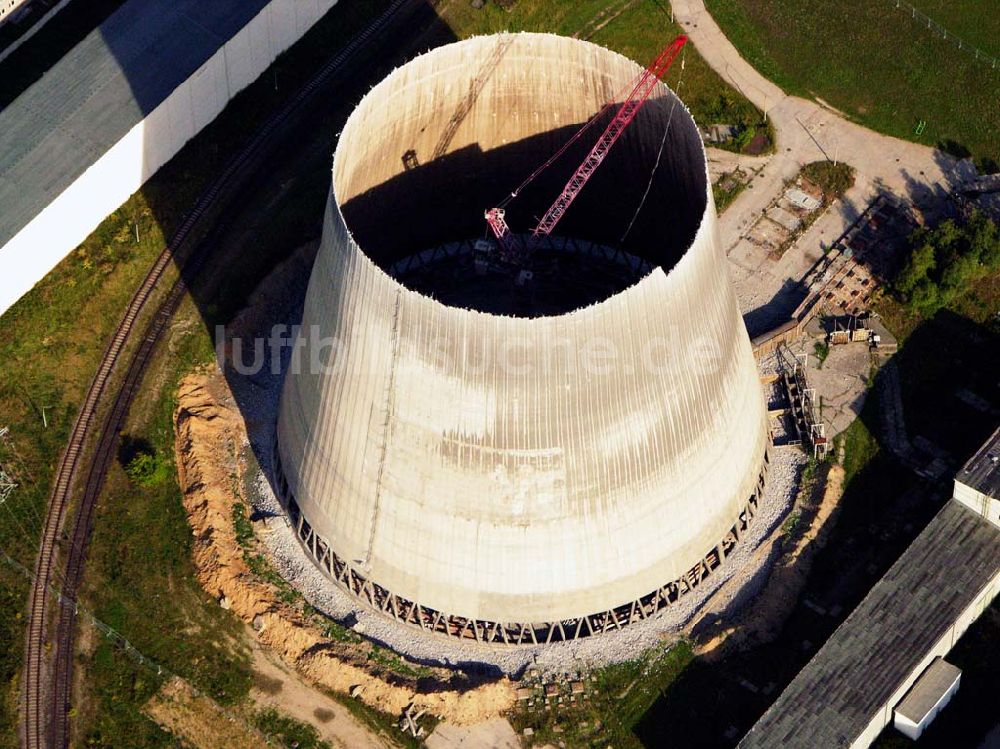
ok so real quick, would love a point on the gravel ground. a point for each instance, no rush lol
(257, 397)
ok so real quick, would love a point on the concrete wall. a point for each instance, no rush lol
(983, 505)
(10, 8)
(123, 168)
(941, 648)
(549, 488)
(769, 342)
(913, 730)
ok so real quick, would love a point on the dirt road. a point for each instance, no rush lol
(807, 131)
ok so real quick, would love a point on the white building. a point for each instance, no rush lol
(117, 107)
(10, 8)
(932, 691)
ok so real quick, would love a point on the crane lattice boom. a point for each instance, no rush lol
(638, 95)
(626, 113)
(508, 245)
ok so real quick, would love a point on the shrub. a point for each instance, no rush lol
(743, 136)
(146, 469)
(287, 731)
(833, 179)
(945, 261)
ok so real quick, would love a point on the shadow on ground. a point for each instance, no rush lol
(884, 508)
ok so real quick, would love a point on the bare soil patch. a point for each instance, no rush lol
(210, 438)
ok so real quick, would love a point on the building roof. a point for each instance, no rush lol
(982, 471)
(99, 90)
(855, 673)
(932, 685)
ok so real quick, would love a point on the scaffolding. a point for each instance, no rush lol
(805, 409)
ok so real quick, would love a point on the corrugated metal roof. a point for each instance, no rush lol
(932, 685)
(854, 674)
(103, 87)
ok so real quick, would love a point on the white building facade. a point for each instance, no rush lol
(83, 164)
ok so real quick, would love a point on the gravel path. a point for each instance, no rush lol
(257, 396)
(292, 562)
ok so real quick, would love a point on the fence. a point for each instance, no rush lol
(942, 32)
(121, 644)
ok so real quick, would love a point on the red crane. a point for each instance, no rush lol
(640, 92)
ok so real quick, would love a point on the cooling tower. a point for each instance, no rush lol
(528, 451)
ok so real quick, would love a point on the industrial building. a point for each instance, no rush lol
(977, 485)
(527, 450)
(883, 666)
(77, 143)
(9, 9)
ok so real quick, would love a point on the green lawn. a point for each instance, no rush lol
(140, 579)
(618, 697)
(873, 62)
(973, 21)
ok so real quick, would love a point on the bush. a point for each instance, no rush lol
(146, 469)
(945, 261)
(288, 731)
(743, 136)
(833, 179)
(821, 349)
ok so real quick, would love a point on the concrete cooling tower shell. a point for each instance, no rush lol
(551, 472)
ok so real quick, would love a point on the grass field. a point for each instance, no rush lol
(639, 30)
(623, 692)
(970, 20)
(139, 579)
(876, 64)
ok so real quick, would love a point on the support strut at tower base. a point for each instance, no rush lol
(432, 621)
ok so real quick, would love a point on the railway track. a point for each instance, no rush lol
(48, 684)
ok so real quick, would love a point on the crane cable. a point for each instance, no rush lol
(579, 133)
(556, 155)
(659, 156)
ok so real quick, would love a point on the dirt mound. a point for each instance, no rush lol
(210, 436)
(771, 609)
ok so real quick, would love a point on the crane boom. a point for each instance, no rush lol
(626, 113)
(512, 247)
(508, 245)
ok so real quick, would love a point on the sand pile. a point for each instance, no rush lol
(210, 437)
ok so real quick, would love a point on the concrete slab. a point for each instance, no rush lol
(493, 734)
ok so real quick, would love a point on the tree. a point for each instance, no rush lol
(947, 260)
(984, 237)
(917, 269)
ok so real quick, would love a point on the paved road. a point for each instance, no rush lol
(806, 131)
